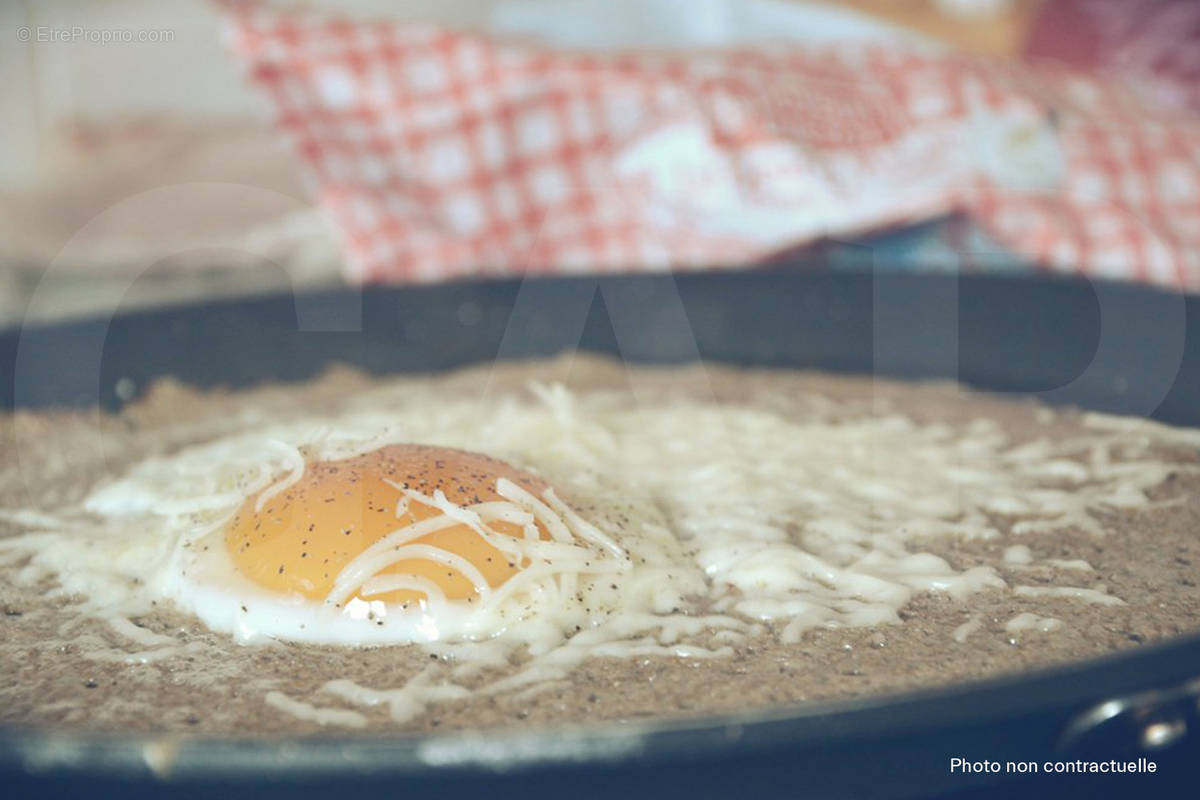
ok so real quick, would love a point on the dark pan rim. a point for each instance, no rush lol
(1062, 691)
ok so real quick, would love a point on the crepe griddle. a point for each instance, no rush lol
(1110, 347)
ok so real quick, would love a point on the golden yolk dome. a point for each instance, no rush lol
(303, 536)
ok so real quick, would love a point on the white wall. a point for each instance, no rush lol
(47, 81)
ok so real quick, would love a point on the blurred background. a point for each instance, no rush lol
(149, 152)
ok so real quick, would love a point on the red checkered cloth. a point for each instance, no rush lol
(1128, 204)
(442, 154)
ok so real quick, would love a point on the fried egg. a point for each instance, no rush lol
(369, 529)
(404, 543)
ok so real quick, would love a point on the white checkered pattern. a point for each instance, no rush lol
(443, 154)
(1130, 199)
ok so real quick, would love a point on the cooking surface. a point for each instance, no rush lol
(1146, 559)
(1015, 334)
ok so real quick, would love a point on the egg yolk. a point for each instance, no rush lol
(304, 535)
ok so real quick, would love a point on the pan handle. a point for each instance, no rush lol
(1136, 724)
